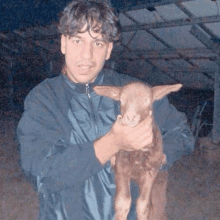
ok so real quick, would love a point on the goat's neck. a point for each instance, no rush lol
(155, 131)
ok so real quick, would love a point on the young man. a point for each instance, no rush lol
(68, 134)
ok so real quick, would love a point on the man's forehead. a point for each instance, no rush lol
(94, 29)
(94, 35)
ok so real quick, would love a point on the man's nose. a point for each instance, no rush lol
(87, 51)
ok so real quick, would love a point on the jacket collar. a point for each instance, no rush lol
(81, 88)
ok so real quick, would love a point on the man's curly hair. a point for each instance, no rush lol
(97, 15)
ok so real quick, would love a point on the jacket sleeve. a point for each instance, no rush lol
(178, 139)
(45, 151)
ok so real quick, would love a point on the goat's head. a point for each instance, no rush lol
(136, 99)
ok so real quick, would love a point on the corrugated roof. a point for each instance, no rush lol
(166, 41)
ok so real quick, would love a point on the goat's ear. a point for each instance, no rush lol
(112, 92)
(160, 91)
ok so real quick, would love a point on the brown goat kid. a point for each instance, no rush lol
(141, 165)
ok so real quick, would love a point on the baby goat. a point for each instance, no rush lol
(141, 165)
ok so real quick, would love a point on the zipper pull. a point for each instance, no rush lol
(87, 90)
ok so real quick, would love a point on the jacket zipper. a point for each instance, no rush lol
(93, 117)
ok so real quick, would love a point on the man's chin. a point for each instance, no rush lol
(86, 80)
(82, 77)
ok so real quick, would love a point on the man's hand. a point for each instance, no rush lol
(129, 139)
(123, 137)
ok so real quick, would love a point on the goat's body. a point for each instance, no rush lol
(142, 167)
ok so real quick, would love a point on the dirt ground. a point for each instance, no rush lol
(194, 185)
(18, 201)
(193, 190)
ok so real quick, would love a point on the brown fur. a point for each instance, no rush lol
(140, 165)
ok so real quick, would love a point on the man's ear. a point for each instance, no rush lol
(63, 44)
(109, 51)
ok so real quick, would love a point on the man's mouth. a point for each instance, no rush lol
(85, 67)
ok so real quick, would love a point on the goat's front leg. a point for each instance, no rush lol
(144, 199)
(123, 195)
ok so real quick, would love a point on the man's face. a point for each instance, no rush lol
(85, 55)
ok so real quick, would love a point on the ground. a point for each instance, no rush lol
(194, 185)
(18, 200)
(193, 189)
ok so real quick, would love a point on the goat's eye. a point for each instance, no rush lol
(147, 101)
(122, 101)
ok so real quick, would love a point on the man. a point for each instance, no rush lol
(68, 134)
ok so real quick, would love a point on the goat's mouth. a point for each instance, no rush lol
(130, 123)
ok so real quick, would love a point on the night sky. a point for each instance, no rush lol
(25, 13)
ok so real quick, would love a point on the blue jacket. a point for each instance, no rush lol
(60, 122)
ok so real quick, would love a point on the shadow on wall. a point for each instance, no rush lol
(198, 106)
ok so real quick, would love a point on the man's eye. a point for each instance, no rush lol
(98, 44)
(76, 41)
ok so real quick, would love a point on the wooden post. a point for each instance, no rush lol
(216, 113)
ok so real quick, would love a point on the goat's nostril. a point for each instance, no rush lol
(131, 117)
